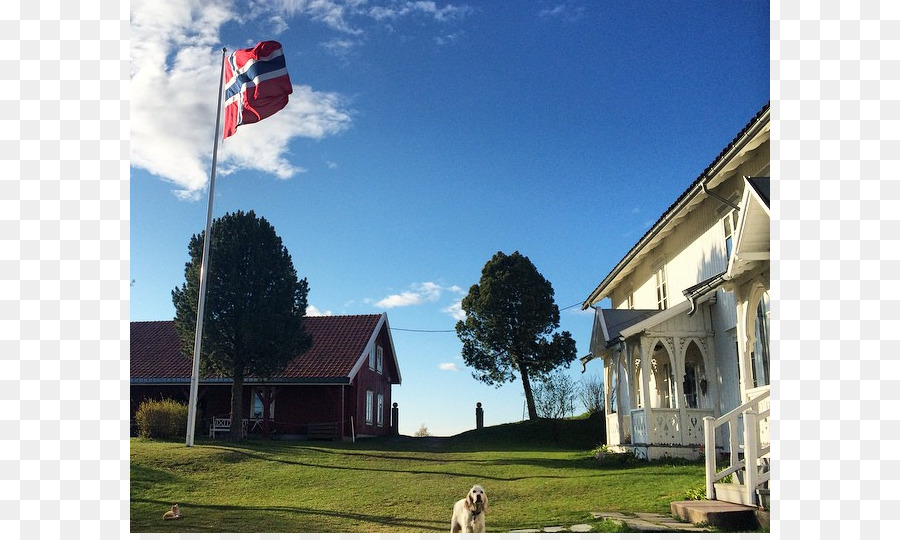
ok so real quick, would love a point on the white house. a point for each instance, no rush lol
(686, 336)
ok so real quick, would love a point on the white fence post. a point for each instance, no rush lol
(751, 452)
(709, 441)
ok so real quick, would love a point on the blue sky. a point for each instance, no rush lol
(422, 138)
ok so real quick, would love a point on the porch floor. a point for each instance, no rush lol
(724, 515)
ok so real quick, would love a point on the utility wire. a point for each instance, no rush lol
(448, 331)
(415, 330)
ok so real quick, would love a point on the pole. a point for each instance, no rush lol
(204, 267)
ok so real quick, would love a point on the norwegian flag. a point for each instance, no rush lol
(257, 85)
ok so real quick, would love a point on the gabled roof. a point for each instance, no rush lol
(340, 346)
(752, 233)
(743, 141)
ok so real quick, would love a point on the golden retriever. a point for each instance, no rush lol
(468, 513)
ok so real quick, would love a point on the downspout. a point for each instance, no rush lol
(717, 197)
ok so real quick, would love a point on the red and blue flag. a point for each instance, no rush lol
(257, 85)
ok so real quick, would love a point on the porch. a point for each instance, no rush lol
(659, 432)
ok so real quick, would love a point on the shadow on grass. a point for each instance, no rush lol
(241, 454)
(241, 518)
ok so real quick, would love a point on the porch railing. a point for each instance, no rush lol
(755, 413)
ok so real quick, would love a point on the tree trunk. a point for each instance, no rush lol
(529, 396)
(237, 400)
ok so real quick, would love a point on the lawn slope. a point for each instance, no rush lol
(535, 475)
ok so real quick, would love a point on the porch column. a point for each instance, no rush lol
(611, 381)
(645, 391)
(678, 370)
(741, 300)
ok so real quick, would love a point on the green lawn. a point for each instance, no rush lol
(534, 474)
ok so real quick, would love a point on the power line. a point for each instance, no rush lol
(448, 331)
(415, 330)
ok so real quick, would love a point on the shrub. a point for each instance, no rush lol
(161, 419)
(614, 460)
(695, 494)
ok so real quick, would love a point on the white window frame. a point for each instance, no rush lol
(662, 293)
(729, 223)
(380, 416)
(370, 396)
(379, 366)
(253, 405)
(372, 359)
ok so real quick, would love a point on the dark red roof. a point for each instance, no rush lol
(339, 343)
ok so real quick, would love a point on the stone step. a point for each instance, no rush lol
(723, 515)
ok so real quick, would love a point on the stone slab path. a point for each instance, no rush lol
(639, 522)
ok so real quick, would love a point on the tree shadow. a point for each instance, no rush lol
(241, 514)
(485, 465)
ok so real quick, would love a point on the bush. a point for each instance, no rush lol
(161, 419)
(615, 460)
(695, 494)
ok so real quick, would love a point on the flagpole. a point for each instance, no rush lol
(204, 267)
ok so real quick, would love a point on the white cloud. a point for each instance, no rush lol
(455, 310)
(313, 311)
(333, 13)
(401, 9)
(175, 59)
(418, 293)
(570, 12)
(175, 70)
(448, 366)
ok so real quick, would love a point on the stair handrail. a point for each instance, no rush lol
(751, 418)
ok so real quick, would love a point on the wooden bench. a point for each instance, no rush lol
(222, 425)
(327, 431)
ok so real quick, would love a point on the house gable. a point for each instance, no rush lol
(381, 336)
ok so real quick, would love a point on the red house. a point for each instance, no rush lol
(340, 387)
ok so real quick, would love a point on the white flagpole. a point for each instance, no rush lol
(204, 267)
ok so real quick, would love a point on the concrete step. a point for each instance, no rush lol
(733, 493)
(725, 516)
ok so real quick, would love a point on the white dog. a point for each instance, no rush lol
(468, 513)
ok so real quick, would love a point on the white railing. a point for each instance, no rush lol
(223, 425)
(668, 427)
(754, 415)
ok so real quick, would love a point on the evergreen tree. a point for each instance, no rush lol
(253, 323)
(509, 326)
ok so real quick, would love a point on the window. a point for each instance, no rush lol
(380, 359)
(257, 408)
(729, 222)
(380, 409)
(372, 358)
(760, 354)
(369, 403)
(629, 297)
(662, 300)
(694, 383)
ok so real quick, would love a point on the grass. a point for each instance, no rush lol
(536, 474)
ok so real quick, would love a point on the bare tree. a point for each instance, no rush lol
(554, 395)
(591, 394)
